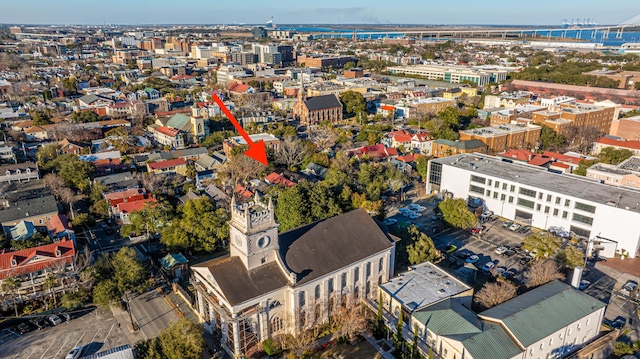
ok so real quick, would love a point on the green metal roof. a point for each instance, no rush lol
(466, 145)
(171, 260)
(493, 342)
(179, 122)
(449, 318)
(542, 311)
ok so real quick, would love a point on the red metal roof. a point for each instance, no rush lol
(124, 194)
(275, 178)
(128, 207)
(36, 259)
(168, 131)
(57, 224)
(634, 145)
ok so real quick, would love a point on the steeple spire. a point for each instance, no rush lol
(301, 96)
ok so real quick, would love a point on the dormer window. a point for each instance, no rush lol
(58, 252)
(18, 171)
(8, 173)
(13, 262)
(28, 170)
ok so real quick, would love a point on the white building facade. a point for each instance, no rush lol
(274, 284)
(535, 196)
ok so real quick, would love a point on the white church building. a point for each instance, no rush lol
(276, 283)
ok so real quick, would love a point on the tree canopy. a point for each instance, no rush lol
(85, 117)
(492, 294)
(116, 274)
(456, 214)
(75, 172)
(550, 140)
(181, 340)
(198, 226)
(414, 246)
(40, 117)
(352, 102)
(542, 244)
(152, 217)
(613, 155)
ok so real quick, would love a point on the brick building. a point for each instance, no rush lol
(501, 138)
(311, 111)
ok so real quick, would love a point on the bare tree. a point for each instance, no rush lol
(322, 137)
(241, 168)
(291, 152)
(350, 317)
(59, 188)
(541, 272)
(495, 293)
(297, 344)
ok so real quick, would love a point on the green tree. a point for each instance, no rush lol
(130, 274)
(456, 213)
(270, 347)
(198, 226)
(10, 285)
(422, 163)
(550, 140)
(216, 138)
(613, 155)
(182, 340)
(353, 102)
(106, 293)
(583, 165)
(49, 283)
(81, 220)
(40, 117)
(75, 172)
(152, 218)
(451, 118)
(48, 153)
(121, 138)
(422, 250)
(70, 84)
(570, 257)
(541, 244)
(85, 117)
(349, 65)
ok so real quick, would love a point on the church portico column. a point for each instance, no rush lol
(236, 337)
(201, 305)
(263, 326)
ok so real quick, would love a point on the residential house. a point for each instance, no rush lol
(58, 228)
(177, 165)
(278, 179)
(167, 136)
(6, 153)
(72, 147)
(36, 210)
(22, 230)
(124, 209)
(19, 172)
(32, 265)
(631, 145)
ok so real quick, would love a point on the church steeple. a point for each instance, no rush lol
(301, 94)
(253, 232)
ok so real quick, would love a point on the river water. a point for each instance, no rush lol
(590, 35)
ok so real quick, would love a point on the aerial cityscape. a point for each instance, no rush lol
(297, 180)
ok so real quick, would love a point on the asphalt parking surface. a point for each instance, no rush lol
(95, 329)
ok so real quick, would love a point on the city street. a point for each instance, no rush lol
(152, 313)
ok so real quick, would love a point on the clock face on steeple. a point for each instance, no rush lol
(238, 239)
(264, 241)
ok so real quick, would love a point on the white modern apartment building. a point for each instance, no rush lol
(606, 215)
(451, 73)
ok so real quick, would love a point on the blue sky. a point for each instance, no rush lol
(315, 12)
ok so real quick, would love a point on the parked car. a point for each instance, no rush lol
(509, 253)
(524, 229)
(525, 260)
(39, 323)
(507, 224)
(66, 316)
(450, 248)
(414, 206)
(597, 259)
(407, 213)
(415, 215)
(404, 209)
(583, 284)
(421, 209)
(514, 227)
(23, 328)
(472, 259)
(390, 221)
(74, 353)
(509, 273)
(501, 249)
(619, 322)
(518, 248)
(500, 271)
(629, 288)
(488, 266)
(54, 319)
(478, 229)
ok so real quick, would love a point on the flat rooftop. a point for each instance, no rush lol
(632, 164)
(422, 285)
(541, 178)
(500, 130)
(255, 138)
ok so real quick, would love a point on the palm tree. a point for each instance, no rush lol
(10, 285)
(49, 283)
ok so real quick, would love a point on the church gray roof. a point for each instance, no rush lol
(238, 284)
(322, 247)
(322, 102)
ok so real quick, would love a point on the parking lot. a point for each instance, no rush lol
(95, 329)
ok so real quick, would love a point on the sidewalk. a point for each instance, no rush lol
(122, 317)
(376, 344)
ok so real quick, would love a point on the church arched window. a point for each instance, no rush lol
(276, 324)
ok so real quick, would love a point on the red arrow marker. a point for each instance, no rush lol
(256, 150)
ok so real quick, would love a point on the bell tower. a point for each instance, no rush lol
(253, 232)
